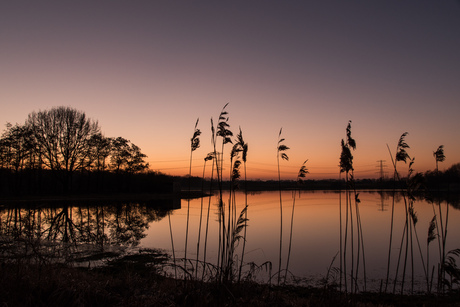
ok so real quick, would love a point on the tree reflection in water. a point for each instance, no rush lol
(67, 232)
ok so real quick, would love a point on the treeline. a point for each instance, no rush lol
(63, 151)
(431, 181)
(448, 180)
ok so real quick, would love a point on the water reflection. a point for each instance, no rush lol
(65, 231)
(316, 235)
(77, 231)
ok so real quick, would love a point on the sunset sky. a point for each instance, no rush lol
(146, 70)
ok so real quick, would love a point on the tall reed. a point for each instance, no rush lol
(340, 234)
(206, 159)
(431, 236)
(244, 149)
(351, 197)
(281, 148)
(412, 185)
(224, 132)
(235, 225)
(301, 174)
(346, 166)
(194, 145)
(210, 156)
(231, 209)
(230, 223)
(439, 156)
(401, 155)
(220, 131)
(172, 244)
(442, 239)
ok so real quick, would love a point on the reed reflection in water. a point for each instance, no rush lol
(316, 234)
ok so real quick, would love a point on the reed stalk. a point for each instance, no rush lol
(414, 221)
(235, 225)
(401, 155)
(281, 148)
(194, 145)
(440, 246)
(346, 166)
(391, 240)
(301, 174)
(440, 157)
(345, 237)
(211, 156)
(222, 131)
(431, 236)
(207, 158)
(411, 224)
(399, 259)
(231, 218)
(172, 244)
(444, 237)
(244, 148)
(352, 280)
(360, 241)
(413, 185)
(341, 236)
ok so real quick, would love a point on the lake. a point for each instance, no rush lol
(316, 235)
(94, 231)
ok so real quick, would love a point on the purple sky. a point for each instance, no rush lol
(146, 70)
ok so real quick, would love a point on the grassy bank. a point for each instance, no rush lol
(135, 281)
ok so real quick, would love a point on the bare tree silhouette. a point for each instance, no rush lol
(63, 133)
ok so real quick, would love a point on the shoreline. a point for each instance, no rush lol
(139, 283)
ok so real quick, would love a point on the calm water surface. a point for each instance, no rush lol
(315, 233)
(74, 231)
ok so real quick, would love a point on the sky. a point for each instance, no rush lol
(147, 70)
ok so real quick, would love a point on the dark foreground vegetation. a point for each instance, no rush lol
(136, 281)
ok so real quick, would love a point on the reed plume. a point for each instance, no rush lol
(439, 156)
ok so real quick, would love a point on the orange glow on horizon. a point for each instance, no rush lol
(265, 171)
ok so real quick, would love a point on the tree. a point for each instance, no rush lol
(99, 148)
(63, 134)
(120, 154)
(136, 162)
(127, 157)
(59, 143)
(16, 147)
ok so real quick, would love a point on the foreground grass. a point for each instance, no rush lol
(135, 281)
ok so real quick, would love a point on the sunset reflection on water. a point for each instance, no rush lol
(316, 231)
